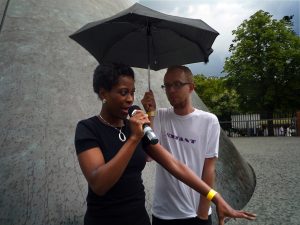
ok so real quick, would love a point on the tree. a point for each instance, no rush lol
(264, 67)
(217, 97)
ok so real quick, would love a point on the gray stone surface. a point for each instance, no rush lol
(2, 8)
(276, 199)
(45, 89)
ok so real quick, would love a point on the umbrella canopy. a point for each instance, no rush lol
(144, 38)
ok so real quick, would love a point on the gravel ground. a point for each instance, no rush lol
(275, 160)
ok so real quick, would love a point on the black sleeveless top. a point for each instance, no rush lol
(128, 194)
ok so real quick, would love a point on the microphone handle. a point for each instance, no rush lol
(150, 135)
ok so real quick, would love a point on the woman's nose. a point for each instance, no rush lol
(130, 97)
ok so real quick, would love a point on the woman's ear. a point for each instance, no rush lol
(102, 94)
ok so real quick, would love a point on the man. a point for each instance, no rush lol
(192, 136)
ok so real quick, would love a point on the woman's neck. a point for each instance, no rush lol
(110, 119)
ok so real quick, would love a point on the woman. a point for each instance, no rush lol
(112, 154)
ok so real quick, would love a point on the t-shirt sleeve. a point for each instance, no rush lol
(84, 138)
(213, 140)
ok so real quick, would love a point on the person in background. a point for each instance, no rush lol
(192, 137)
(112, 151)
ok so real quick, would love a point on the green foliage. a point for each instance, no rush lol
(217, 97)
(264, 67)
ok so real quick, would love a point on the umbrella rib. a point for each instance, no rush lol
(205, 55)
(123, 36)
(200, 47)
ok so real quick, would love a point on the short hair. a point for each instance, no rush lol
(106, 75)
(188, 73)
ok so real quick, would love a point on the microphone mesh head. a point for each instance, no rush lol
(132, 108)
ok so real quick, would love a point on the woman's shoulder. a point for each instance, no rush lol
(89, 122)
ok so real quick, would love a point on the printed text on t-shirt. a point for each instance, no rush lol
(175, 137)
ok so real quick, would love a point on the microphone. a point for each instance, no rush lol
(148, 132)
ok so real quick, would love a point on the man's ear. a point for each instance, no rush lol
(192, 87)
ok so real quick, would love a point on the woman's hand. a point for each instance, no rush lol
(224, 210)
(136, 124)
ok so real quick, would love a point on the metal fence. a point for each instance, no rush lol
(254, 125)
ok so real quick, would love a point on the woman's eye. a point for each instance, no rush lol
(124, 92)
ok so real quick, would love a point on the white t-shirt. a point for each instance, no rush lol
(190, 139)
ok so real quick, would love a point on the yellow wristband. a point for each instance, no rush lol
(211, 194)
(151, 113)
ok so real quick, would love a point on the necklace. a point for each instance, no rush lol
(122, 136)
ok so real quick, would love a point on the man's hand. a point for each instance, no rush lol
(148, 101)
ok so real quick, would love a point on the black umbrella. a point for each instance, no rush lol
(144, 38)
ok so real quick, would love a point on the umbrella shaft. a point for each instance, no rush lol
(148, 52)
(148, 77)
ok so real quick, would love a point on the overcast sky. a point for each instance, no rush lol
(224, 16)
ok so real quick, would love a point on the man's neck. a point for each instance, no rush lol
(182, 111)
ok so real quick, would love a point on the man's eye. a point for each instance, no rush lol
(177, 84)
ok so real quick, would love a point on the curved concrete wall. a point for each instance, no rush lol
(45, 89)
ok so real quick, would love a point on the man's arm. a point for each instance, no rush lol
(208, 176)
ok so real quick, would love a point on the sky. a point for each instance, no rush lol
(224, 16)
